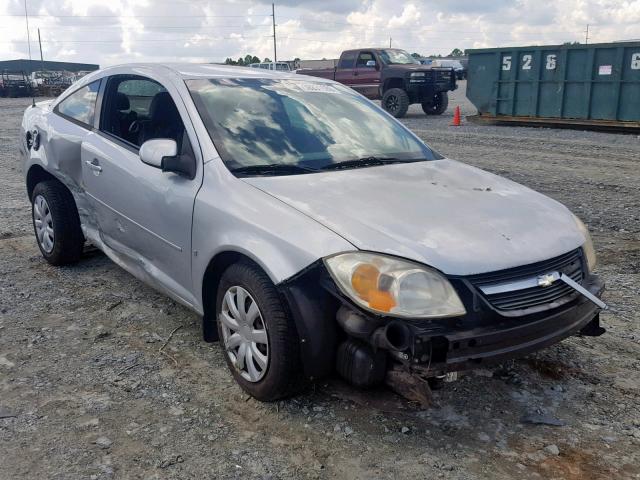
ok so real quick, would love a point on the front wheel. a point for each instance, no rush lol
(396, 102)
(437, 105)
(257, 334)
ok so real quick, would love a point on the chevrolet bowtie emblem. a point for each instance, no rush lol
(547, 279)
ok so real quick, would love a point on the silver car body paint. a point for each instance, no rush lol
(165, 229)
(451, 216)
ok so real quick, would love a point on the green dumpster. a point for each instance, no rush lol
(597, 85)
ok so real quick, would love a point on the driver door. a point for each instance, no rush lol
(366, 79)
(144, 216)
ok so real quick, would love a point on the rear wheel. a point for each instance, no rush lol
(257, 334)
(396, 102)
(56, 223)
(437, 105)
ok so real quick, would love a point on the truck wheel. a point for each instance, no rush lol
(257, 334)
(438, 105)
(56, 223)
(396, 102)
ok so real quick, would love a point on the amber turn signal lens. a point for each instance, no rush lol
(382, 301)
(365, 279)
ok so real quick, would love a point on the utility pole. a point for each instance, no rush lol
(389, 42)
(586, 35)
(41, 56)
(26, 17)
(273, 17)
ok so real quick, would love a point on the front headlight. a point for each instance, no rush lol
(393, 286)
(589, 251)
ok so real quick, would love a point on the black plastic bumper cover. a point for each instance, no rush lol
(495, 343)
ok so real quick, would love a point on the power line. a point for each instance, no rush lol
(148, 28)
(403, 29)
(138, 16)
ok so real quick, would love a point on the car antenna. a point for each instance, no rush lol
(26, 17)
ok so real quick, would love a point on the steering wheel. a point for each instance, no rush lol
(134, 127)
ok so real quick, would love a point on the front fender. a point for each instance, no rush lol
(232, 216)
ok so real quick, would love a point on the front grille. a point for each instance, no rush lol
(570, 264)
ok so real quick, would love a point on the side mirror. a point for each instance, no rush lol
(371, 63)
(153, 152)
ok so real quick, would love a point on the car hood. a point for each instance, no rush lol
(454, 217)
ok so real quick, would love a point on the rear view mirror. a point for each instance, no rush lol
(153, 152)
(371, 63)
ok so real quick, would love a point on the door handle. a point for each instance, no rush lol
(94, 165)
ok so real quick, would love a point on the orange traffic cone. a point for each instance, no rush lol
(456, 118)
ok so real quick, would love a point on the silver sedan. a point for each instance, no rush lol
(311, 230)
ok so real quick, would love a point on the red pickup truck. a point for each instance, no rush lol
(393, 76)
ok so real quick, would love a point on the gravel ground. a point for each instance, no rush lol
(86, 392)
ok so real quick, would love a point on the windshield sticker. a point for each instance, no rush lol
(310, 87)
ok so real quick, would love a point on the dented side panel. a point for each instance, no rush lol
(162, 228)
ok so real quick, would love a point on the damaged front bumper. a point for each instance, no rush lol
(483, 336)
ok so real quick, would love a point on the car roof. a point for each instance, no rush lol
(198, 71)
(188, 71)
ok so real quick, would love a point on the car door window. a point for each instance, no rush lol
(80, 106)
(363, 58)
(137, 109)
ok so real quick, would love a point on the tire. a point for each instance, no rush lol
(438, 105)
(396, 102)
(59, 216)
(281, 375)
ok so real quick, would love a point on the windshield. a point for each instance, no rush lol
(397, 57)
(309, 124)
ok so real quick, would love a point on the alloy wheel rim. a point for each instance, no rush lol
(244, 334)
(43, 222)
(392, 103)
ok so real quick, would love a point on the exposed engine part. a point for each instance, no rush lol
(355, 324)
(359, 364)
(394, 336)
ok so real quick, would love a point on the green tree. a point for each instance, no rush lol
(240, 61)
(456, 52)
(416, 55)
(229, 61)
(266, 60)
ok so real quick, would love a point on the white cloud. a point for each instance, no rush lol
(210, 30)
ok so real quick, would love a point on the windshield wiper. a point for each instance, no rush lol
(273, 169)
(363, 162)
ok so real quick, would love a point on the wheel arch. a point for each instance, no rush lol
(35, 175)
(393, 83)
(310, 305)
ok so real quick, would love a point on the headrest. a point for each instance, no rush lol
(122, 101)
(162, 108)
